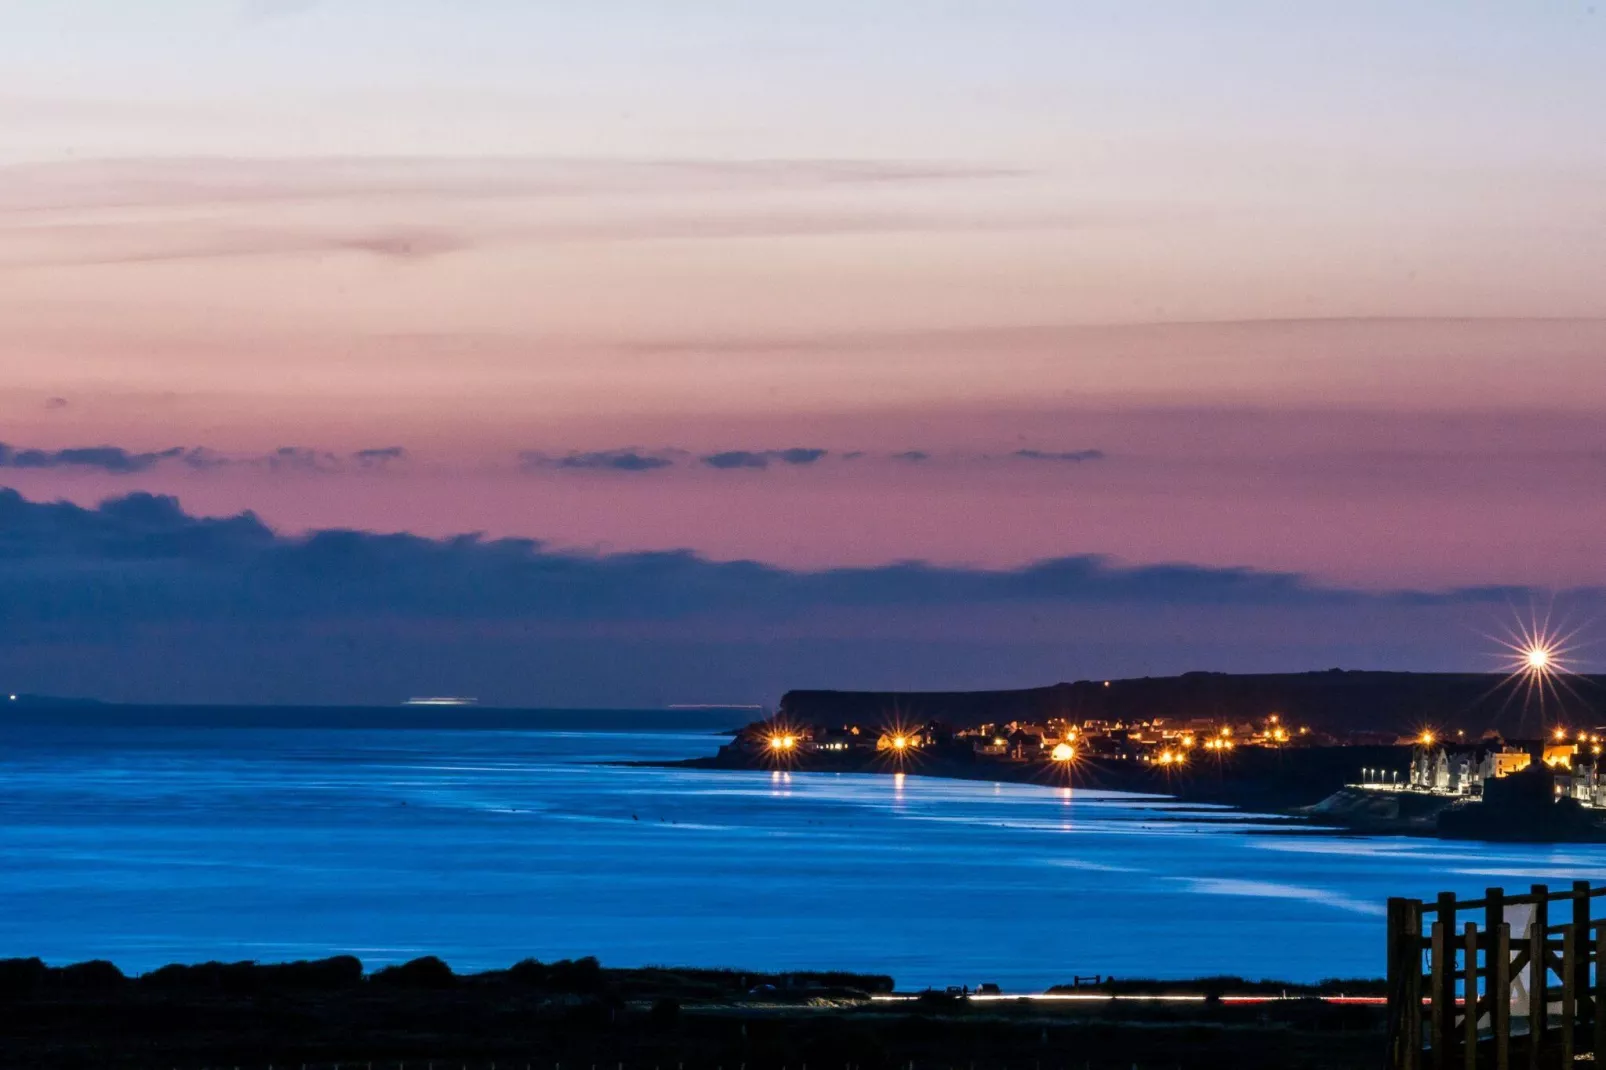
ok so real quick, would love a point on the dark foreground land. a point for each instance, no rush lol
(579, 1015)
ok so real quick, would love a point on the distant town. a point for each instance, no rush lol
(1056, 740)
(1495, 783)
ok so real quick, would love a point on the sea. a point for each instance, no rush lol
(148, 840)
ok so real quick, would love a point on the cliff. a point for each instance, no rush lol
(1335, 701)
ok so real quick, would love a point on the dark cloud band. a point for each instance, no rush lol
(763, 458)
(142, 555)
(117, 461)
(1071, 456)
(111, 459)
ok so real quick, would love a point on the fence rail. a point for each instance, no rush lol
(1505, 987)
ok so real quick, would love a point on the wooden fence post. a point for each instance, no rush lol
(1600, 991)
(1569, 994)
(1403, 960)
(1587, 1010)
(1413, 980)
(1445, 979)
(1538, 967)
(1439, 1033)
(1469, 998)
(1500, 995)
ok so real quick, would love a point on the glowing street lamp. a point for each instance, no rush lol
(1063, 752)
(1539, 656)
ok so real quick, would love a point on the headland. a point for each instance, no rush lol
(1454, 755)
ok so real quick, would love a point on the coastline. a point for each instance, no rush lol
(1304, 787)
(1281, 784)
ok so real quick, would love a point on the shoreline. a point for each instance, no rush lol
(1205, 792)
(1299, 794)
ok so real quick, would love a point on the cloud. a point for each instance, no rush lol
(202, 459)
(1073, 456)
(379, 457)
(151, 557)
(737, 459)
(137, 598)
(762, 458)
(127, 211)
(112, 459)
(175, 237)
(615, 460)
(627, 459)
(152, 182)
(301, 459)
(55, 403)
(118, 461)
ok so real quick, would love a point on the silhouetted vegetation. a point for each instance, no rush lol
(427, 972)
(579, 1014)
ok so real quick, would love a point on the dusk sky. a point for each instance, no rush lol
(1311, 289)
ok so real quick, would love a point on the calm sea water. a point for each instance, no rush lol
(154, 845)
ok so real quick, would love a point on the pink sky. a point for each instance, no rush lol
(1355, 326)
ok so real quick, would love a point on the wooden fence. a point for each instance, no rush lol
(1506, 981)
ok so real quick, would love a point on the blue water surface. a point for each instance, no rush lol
(153, 845)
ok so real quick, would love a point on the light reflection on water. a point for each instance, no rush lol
(158, 845)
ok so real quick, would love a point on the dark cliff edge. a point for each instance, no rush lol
(1335, 701)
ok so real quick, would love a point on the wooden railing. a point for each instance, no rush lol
(1524, 988)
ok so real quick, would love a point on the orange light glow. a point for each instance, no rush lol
(1539, 661)
(1063, 752)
